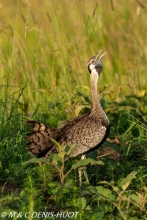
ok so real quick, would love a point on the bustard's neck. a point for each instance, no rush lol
(96, 106)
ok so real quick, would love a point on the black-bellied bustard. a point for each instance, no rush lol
(86, 132)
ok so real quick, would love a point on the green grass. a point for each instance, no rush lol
(44, 49)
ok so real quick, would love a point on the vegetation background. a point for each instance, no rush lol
(44, 49)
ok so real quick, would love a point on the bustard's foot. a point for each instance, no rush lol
(82, 170)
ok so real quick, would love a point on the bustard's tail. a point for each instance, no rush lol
(39, 139)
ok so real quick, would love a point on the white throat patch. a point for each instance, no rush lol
(92, 68)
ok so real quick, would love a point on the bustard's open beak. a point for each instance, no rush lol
(97, 56)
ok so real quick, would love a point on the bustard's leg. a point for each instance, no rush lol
(82, 169)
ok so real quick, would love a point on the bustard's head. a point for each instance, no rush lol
(94, 64)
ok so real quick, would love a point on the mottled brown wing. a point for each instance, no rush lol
(39, 140)
(86, 133)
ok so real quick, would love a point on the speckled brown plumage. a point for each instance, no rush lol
(86, 132)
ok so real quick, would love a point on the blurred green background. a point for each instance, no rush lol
(45, 46)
